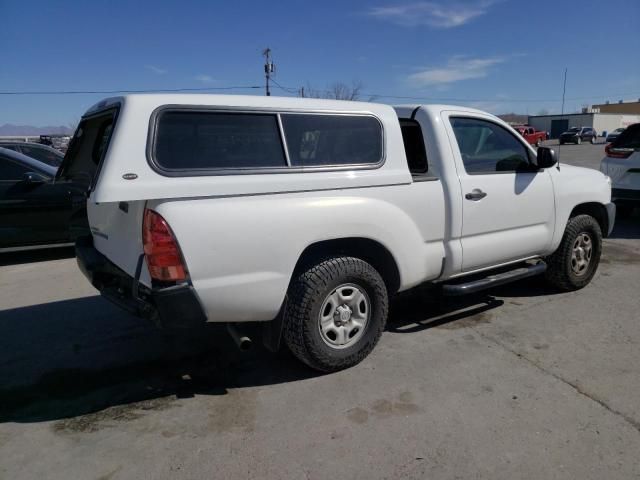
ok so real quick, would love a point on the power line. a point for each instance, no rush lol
(294, 90)
(454, 99)
(108, 92)
(286, 89)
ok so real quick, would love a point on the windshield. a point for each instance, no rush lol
(46, 155)
(574, 129)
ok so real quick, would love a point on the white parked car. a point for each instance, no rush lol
(622, 164)
(307, 214)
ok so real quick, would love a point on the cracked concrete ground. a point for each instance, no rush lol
(520, 382)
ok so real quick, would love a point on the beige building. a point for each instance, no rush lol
(632, 107)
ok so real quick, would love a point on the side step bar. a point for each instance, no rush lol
(494, 280)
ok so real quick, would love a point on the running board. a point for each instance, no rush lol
(494, 280)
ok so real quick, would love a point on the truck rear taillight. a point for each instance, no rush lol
(614, 152)
(161, 249)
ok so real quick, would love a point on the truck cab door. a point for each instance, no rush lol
(508, 207)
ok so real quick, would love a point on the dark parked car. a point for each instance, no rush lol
(43, 153)
(578, 135)
(615, 134)
(35, 211)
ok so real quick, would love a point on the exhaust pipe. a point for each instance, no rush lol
(243, 342)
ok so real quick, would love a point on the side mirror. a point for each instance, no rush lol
(546, 157)
(34, 178)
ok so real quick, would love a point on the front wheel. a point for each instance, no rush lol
(574, 263)
(335, 313)
(579, 141)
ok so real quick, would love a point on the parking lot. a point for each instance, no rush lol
(518, 382)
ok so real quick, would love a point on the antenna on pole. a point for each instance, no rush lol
(564, 89)
(269, 69)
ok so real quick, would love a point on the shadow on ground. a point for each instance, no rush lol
(30, 256)
(627, 228)
(82, 358)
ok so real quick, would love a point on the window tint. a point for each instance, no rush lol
(217, 140)
(87, 148)
(10, 147)
(629, 138)
(414, 147)
(43, 154)
(486, 147)
(314, 140)
(10, 170)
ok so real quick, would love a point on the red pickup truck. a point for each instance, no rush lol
(531, 135)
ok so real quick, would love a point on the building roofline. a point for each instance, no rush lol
(574, 114)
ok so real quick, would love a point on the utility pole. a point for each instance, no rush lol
(269, 69)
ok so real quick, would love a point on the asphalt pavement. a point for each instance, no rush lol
(518, 382)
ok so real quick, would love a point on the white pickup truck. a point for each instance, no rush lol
(309, 214)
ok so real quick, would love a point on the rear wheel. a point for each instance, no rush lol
(538, 143)
(335, 313)
(574, 263)
(579, 141)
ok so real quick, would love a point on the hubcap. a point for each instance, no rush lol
(581, 254)
(344, 315)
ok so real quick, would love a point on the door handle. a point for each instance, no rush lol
(476, 194)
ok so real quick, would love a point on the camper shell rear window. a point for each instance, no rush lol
(197, 141)
(87, 148)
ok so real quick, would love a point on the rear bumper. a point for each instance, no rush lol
(176, 306)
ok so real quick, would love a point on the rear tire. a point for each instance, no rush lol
(335, 313)
(538, 143)
(579, 141)
(574, 263)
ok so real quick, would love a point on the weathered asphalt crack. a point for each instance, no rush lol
(631, 421)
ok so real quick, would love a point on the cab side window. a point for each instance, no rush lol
(414, 147)
(488, 148)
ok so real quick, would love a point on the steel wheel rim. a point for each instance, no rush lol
(344, 316)
(581, 254)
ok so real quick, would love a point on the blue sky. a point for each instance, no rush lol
(497, 55)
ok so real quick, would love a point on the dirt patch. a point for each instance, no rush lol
(471, 321)
(620, 253)
(383, 407)
(111, 416)
(234, 411)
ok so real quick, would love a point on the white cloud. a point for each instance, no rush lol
(458, 68)
(204, 78)
(156, 70)
(433, 14)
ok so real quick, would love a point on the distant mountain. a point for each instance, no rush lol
(515, 118)
(28, 130)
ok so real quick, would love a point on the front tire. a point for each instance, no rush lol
(335, 313)
(579, 141)
(574, 263)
